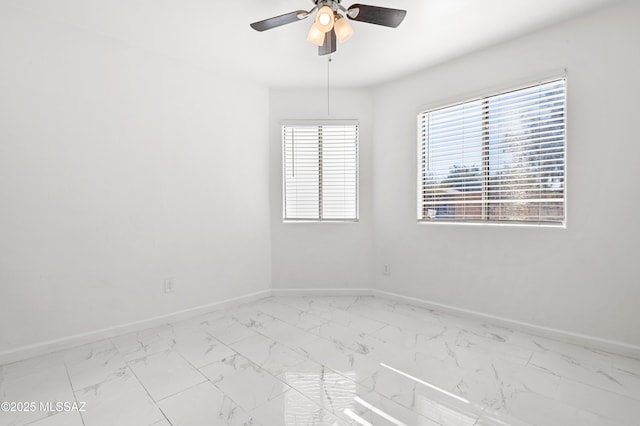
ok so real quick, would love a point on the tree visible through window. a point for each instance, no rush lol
(320, 171)
(496, 159)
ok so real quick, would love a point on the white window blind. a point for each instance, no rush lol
(320, 171)
(496, 159)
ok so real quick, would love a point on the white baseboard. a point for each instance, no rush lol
(593, 342)
(322, 292)
(49, 346)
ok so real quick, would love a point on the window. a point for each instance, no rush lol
(496, 159)
(320, 171)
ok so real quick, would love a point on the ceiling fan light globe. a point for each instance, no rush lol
(315, 35)
(324, 19)
(343, 30)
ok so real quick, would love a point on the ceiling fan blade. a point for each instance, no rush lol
(277, 21)
(376, 15)
(329, 45)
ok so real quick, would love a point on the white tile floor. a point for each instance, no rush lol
(326, 361)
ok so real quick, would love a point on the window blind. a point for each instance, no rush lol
(496, 159)
(320, 171)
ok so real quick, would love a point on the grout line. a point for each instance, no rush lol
(155, 403)
(133, 373)
(480, 415)
(71, 386)
(237, 406)
(530, 358)
(183, 390)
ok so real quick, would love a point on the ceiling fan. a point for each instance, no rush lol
(330, 23)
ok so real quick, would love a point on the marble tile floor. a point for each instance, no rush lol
(325, 361)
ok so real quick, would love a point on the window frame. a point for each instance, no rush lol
(480, 96)
(320, 122)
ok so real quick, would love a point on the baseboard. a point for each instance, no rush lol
(593, 342)
(322, 292)
(64, 343)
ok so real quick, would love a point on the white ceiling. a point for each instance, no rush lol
(215, 34)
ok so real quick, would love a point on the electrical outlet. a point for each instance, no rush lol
(168, 285)
(386, 270)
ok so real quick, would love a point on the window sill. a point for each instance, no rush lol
(499, 224)
(287, 221)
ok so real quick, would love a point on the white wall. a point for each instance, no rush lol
(582, 279)
(321, 255)
(118, 169)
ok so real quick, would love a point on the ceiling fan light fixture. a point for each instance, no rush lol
(315, 35)
(324, 19)
(343, 29)
(331, 24)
